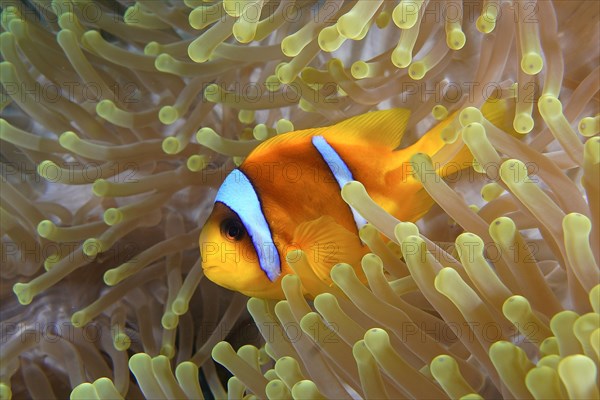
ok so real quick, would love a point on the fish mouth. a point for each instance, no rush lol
(210, 271)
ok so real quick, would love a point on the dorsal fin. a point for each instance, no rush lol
(377, 128)
(281, 140)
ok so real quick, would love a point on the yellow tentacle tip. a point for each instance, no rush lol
(169, 320)
(111, 277)
(171, 145)
(377, 340)
(306, 389)
(46, 228)
(272, 83)
(550, 107)
(152, 49)
(523, 123)
(84, 391)
(470, 115)
(405, 229)
(243, 32)
(112, 216)
(69, 138)
(260, 132)
(491, 191)
(446, 371)
(532, 63)
(284, 126)
(213, 93)
(594, 297)
(23, 292)
(246, 116)
(79, 319)
(549, 346)
(196, 163)
(589, 126)
(276, 389)
(5, 392)
(106, 389)
(92, 246)
(595, 341)
(121, 341)
(513, 171)
(439, 112)
(591, 151)
(406, 13)
(360, 70)
(383, 19)
(417, 70)
(471, 396)
(100, 187)
(139, 361)
(106, 108)
(577, 223)
(401, 57)
(341, 271)
(48, 170)
(579, 375)
(456, 39)
(543, 382)
(221, 351)
(168, 115)
(485, 25)
(179, 306)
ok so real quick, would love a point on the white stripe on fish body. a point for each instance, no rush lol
(339, 169)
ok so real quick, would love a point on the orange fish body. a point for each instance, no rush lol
(286, 196)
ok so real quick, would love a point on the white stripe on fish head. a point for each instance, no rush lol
(238, 193)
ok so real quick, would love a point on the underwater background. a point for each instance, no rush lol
(121, 119)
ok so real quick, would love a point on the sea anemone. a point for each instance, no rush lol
(120, 119)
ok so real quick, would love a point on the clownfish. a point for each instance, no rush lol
(286, 195)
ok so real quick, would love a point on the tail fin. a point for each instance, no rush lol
(450, 158)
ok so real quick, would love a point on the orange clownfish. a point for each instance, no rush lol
(286, 195)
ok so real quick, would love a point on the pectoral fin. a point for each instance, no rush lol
(326, 243)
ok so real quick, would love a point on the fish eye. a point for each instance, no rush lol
(233, 229)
